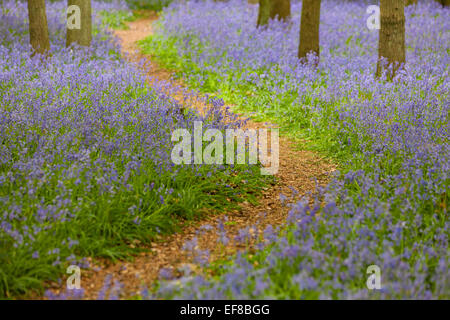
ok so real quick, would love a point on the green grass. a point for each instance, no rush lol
(154, 5)
(117, 19)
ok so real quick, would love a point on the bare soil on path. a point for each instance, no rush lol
(298, 169)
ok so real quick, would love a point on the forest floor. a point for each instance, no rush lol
(298, 170)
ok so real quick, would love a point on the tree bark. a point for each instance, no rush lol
(309, 28)
(37, 16)
(263, 12)
(281, 9)
(391, 43)
(82, 36)
(273, 9)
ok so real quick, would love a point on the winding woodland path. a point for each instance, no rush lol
(298, 169)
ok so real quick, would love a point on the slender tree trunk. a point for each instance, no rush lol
(272, 9)
(445, 2)
(309, 28)
(263, 12)
(83, 34)
(37, 16)
(391, 43)
(281, 9)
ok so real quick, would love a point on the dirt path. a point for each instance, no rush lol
(297, 169)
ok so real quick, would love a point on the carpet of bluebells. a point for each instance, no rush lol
(388, 204)
(85, 147)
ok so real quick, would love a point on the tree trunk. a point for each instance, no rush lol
(263, 12)
(37, 16)
(81, 35)
(272, 9)
(309, 29)
(391, 43)
(445, 2)
(281, 9)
